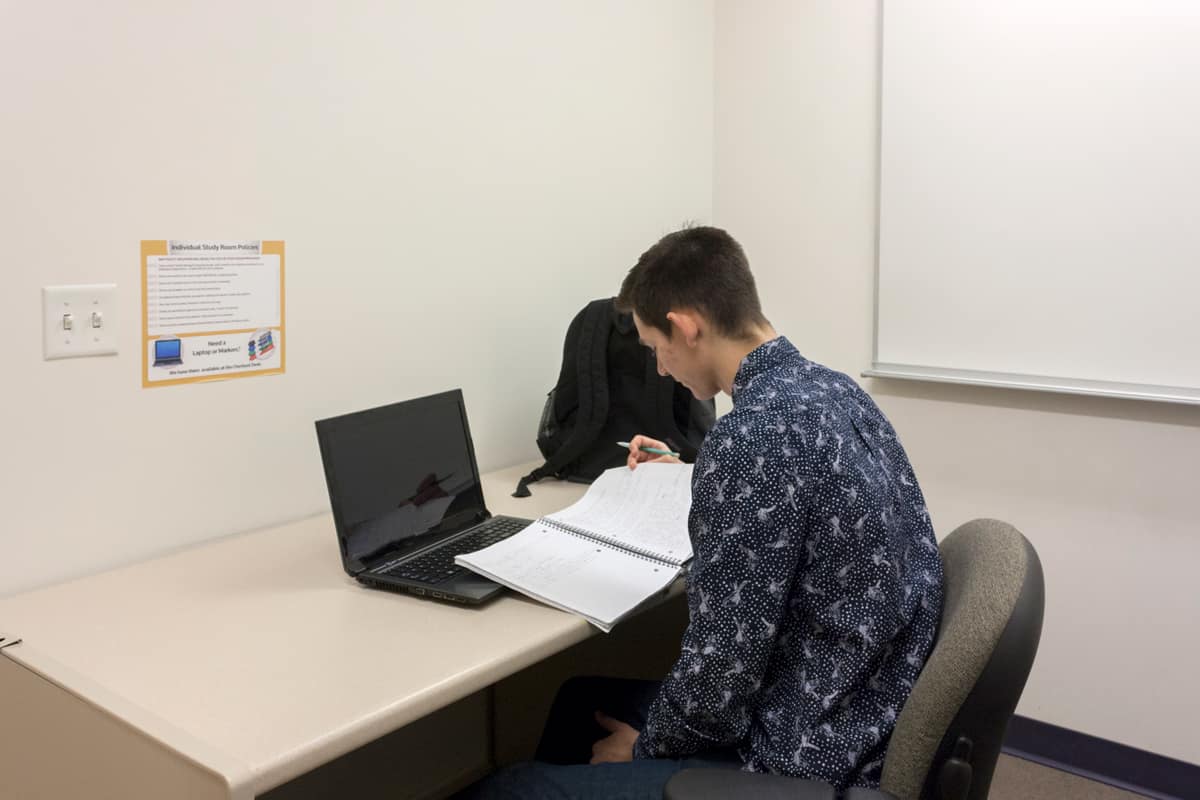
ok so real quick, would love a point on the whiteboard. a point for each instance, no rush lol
(1039, 198)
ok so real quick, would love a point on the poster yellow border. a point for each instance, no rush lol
(158, 247)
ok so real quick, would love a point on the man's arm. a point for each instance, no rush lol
(748, 544)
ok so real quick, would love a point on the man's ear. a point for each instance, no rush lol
(688, 323)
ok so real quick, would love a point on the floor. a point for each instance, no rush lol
(1018, 779)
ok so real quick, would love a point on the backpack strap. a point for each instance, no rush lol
(591, 364)
(660, 396)
(702, 416)
(660, 399)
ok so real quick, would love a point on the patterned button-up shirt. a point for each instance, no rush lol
(816, 587)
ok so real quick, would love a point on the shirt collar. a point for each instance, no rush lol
(762, 359)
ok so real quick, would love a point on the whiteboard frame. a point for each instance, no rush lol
(1036, 383)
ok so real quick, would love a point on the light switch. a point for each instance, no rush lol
(79, 320)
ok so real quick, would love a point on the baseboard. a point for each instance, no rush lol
(1098, 759)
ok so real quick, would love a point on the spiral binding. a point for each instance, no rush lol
(636, 552)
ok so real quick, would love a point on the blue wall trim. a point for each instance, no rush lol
(1101, 760)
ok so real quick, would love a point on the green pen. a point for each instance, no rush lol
(651, 450)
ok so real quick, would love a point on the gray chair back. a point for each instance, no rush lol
(948, 735)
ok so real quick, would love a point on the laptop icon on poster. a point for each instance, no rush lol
(167, 352)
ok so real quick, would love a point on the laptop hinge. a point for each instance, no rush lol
(7, 640)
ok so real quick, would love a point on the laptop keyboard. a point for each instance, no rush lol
(438, 564)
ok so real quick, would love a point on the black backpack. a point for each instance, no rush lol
(609, 390)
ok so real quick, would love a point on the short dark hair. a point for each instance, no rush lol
(703, 269)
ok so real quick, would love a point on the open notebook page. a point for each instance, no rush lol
(646, 508)
(571, 573)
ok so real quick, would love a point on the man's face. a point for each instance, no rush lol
(677, 359)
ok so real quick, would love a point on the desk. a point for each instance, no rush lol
(231, 668)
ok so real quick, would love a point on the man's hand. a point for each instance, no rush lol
(637, 455)
(618, 745)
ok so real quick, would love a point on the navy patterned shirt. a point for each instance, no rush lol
(816, 586)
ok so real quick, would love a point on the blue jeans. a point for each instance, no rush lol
(561, 770)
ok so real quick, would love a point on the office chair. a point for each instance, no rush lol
(948, 735)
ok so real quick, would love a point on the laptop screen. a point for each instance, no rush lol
(401, 475)
(166, 348)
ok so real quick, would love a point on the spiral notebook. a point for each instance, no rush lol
(623, 542)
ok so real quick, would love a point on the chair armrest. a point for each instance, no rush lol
(729, 784)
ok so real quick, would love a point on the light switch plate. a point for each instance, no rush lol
(92, 312)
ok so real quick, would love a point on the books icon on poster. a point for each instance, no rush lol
(261, 345)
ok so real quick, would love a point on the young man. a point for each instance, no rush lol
(816, 586)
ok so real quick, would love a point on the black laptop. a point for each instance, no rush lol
(406, 497)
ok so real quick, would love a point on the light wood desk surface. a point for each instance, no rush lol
(257, 658)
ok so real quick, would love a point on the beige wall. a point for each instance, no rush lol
(453, 181)
(1105, 489)
(522, 154)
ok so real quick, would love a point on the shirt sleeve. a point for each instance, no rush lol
(747, 523)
